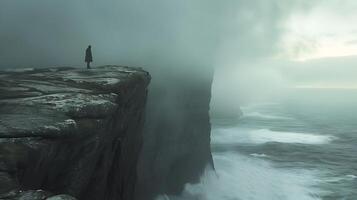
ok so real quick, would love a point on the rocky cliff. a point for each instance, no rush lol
(176, 147)
(71, 131)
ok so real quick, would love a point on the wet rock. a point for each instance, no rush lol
(7, 183)
(25, 195)
(61, 197)
(71, 131)
(33, 195)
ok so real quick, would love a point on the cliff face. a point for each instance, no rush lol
(177, 137)
(71, 131)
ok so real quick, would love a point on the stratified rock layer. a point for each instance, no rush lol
(71, 131)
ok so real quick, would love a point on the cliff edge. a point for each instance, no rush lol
(71, 131)
(177, 130)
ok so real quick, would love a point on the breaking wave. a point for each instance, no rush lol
(239, 177)
(258, 136)
(265, 116)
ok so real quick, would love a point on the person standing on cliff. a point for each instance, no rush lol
(89, 57)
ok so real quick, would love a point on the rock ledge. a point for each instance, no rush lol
(71, 131)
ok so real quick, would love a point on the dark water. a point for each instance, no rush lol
(301, 147)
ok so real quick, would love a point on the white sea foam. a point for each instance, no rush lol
(255, 106)
(258, 136)
(239, 177)
(259, 155)
(350, 176)
(265, 116)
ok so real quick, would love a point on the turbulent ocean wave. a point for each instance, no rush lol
(242, 178)
(290, 151)
(237, 135)
(265, 116)
(259, 155)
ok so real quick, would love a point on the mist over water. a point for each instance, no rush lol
(299, 148)
(290, 145)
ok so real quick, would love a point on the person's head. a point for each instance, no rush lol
(89, 46)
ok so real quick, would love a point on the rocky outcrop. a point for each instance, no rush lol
(71, 131)
(176, 147)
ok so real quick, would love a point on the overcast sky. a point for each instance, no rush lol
(257, 43)
(314, 36)
(292, 44)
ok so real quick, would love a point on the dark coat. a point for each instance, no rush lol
(89, 57)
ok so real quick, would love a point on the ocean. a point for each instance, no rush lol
(301, 147)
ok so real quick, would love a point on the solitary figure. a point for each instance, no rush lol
(89, 57)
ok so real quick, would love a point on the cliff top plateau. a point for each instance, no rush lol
(47, 102)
